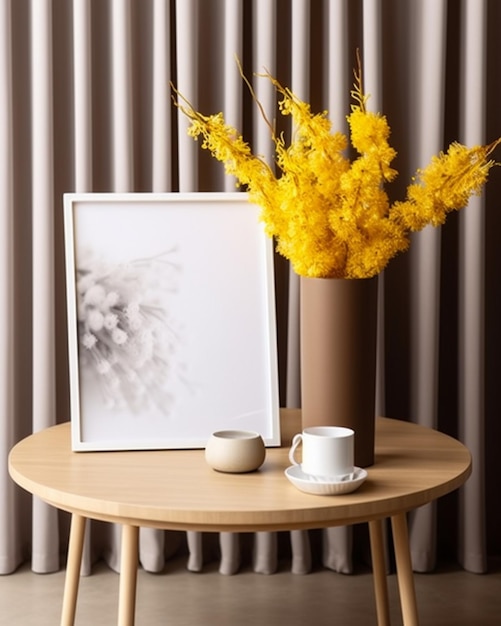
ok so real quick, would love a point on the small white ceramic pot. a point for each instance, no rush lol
(235, 451)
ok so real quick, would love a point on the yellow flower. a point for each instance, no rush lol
(332, 217)
(445, 185)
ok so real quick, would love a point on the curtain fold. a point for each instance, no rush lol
(45, 555)
(426, 251)
(82, 115)
(121, 98)
(232, 52)
(152, 544)
(86, 106)
(300, 85)
(186, 82)
(471, 273)
(264, 57)
(10, 551)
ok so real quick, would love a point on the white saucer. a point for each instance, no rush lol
(309, 484)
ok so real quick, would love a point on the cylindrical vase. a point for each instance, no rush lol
(338, 327)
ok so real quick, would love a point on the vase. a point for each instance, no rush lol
(338, 334)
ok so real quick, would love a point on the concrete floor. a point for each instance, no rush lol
(448, 597)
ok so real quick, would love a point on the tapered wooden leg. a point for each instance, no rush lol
(74, 561)
(404, 570)
(128, 575)
(379, 572)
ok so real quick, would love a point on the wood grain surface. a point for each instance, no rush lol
(176, 489)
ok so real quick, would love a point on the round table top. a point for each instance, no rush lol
(176, 489)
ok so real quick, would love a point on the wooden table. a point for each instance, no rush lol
(176, 490)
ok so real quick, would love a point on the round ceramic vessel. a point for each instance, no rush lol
(235, 451)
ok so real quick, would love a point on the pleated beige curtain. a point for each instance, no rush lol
(85, 106)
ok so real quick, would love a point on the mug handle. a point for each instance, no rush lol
(297, 439)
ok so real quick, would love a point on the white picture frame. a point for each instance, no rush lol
(171, 320)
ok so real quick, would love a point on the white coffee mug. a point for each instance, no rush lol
(328, 451)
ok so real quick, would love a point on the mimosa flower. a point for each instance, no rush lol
(329, 216)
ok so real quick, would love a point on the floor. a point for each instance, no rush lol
(448, 597)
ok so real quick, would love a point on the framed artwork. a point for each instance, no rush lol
(171, 320)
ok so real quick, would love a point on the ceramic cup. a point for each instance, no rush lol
(235, 451)
(327, 451)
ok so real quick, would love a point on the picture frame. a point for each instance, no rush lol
(171, 320)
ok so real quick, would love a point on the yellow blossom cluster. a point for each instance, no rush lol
(331, 217)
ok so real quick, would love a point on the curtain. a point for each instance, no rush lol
(85, 106)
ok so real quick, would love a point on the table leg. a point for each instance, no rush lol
(379, 572)
(74, 561)
(128, 575)
(404, 570)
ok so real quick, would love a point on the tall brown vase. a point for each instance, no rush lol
(338, 357)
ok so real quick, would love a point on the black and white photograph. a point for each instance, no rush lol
(165, 346)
